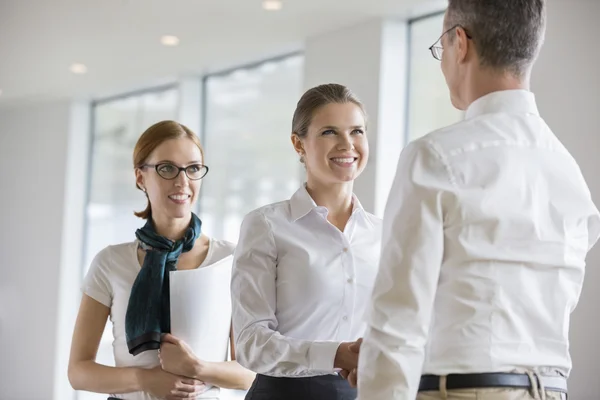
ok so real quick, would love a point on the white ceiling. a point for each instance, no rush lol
(118, 40)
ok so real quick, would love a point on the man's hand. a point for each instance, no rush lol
(353, 378)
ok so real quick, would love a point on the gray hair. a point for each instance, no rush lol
(507, 34)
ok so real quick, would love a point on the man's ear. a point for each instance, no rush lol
(462, 44)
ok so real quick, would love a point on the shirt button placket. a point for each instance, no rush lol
(348, 271)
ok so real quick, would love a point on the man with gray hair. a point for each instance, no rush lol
(486, 231)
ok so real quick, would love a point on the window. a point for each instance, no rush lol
(247, 132)
(429, 106)
(112, 194)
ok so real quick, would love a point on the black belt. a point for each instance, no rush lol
(492, 380)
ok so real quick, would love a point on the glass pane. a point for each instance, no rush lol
(429, 101)
(247, 140)
(113, 197)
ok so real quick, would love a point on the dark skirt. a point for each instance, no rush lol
(326, 387)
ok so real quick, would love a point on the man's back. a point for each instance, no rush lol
(485, 231)
(518, 222)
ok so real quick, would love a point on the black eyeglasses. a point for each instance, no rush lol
(169, 171)
(436, 51)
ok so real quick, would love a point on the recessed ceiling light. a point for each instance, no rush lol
(169, 40)
(272, 5)
(78, 68)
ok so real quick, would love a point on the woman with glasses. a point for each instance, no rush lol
(304, 268)
(130, 283)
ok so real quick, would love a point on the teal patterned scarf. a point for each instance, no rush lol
(148, 312)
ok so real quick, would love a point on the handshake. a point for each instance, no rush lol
(346, 359)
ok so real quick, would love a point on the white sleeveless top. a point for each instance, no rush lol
(109, 281)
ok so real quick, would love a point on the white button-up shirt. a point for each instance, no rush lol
(485, 235)
(300, 286)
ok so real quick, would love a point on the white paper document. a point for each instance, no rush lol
(201, 309)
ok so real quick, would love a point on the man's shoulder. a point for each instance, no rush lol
(437, 142)
(450, 136)
(468, 135)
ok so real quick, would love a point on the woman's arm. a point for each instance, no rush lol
(177, 357)
(85, 374)
(227, 374)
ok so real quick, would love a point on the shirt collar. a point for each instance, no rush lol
(301, 204)
(505, 101)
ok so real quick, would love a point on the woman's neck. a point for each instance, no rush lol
(337, 198)
(171, 228)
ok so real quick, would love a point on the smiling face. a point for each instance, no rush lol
(171, 198)
(335, 148)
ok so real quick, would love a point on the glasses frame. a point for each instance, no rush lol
(439, 49)
(184, 169)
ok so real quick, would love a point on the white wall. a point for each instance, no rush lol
(76, 177)
(34, 169)
(567, 86)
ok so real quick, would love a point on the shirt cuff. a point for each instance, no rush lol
(321, 355)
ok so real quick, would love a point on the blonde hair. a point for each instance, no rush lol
(153, 137)
(318, 97)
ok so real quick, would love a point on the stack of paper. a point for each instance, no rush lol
(201, 309)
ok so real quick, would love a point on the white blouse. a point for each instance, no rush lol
(109, 281)
(300, 285)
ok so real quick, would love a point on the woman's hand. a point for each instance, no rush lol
(351, 375)
(177, 357)
(346, 357)
(167, 386)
